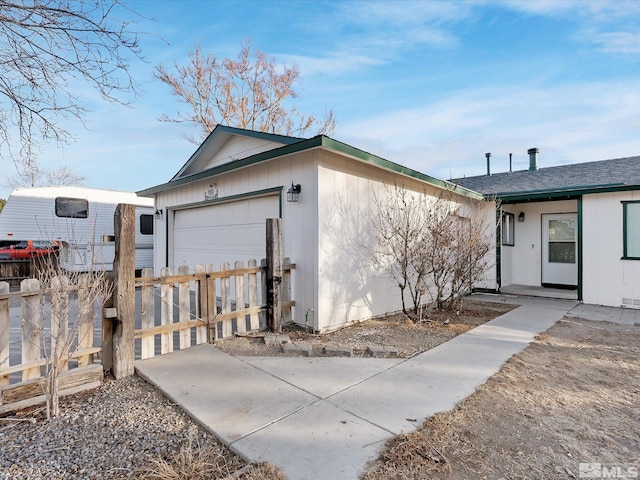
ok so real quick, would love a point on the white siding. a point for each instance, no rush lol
(322, 233)
(240, 147)
(299, 219)
(522, 263)
(349, 287)
(607, 279)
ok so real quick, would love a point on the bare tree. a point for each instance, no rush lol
(460, 238)
(251, 92)
(400, 224)
(47, 47)
(435, 246)
(475, 231)
(29, 173)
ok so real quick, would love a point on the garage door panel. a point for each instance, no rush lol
(223, 233)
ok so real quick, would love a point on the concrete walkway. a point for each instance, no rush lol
(326, 417)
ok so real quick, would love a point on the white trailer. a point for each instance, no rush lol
(80, 221)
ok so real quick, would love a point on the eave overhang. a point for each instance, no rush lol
(321, 142)
(556, 194)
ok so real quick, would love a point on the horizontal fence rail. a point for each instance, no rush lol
(28, 343)
(182, 309)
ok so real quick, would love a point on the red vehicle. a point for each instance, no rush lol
(21, 249)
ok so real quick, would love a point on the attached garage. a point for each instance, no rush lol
(223, 231)
(214, 210)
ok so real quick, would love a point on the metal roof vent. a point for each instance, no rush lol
(533, 159)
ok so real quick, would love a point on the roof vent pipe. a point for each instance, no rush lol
(533, 159)
(488, 155)
(510, 162)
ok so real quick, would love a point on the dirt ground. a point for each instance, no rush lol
(566, 407)
(398, 331)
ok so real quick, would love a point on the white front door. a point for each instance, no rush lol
(560, 249)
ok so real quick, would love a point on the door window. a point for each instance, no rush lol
(562, 241)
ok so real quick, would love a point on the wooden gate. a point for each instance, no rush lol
(182, 309)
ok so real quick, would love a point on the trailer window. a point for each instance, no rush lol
(72, 207)
(146, 224)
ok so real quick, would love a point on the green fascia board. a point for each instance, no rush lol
(319, 141)
(561, 194)
(396, 167)
(233, 165)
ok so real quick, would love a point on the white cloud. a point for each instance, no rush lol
(570, 123)
(618, 42)
(330, 65)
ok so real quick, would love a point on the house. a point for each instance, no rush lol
(214, 210)
(573, 226)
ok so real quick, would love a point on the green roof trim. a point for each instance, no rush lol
(561, 194)
(272, 137)
(297, 145)
(233, 165)
(396, 167)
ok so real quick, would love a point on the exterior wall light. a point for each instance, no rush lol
(159, 213)
(521, 217)
(293, 192)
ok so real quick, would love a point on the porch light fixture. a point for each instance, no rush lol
(521, 217)
(159, 213)
(293, 192)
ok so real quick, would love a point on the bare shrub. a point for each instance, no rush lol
(69, 329)
(400, 224)
(435, 246)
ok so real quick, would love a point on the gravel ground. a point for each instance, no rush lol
(110, 433)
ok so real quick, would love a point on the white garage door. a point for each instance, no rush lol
(226, 232)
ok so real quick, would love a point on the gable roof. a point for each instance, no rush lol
(559, 182)
(220, 136)
(290, 146)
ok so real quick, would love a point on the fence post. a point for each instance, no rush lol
(4, 333)
(108, 327)
(147, 348)
(124, 290)
(31, 327)
(274, 273)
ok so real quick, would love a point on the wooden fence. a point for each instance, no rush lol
(22, 382)
(204, 305)
(14, 271)
(176, 310)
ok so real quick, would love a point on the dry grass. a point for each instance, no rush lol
(194, 461)
(568, 398)
(263, 471)
(199, 462)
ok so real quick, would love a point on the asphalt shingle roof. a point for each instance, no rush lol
(620, 172)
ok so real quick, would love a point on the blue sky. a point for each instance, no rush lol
(431, 85)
